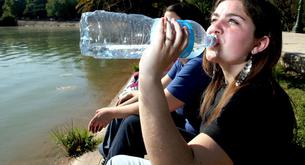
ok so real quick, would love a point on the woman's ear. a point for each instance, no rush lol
(260, 45)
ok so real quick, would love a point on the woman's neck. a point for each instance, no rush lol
(231, 71)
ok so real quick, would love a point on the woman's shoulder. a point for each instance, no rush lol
(262, 93)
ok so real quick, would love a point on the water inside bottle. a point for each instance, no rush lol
(209, 41)
(116, 51)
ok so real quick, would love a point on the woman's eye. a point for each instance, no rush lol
(213, 20)
(233, 22)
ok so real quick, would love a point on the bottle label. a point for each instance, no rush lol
(187, 51)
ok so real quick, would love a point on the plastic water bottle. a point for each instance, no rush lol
(112, 35)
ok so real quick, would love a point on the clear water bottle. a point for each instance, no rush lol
(112, 35)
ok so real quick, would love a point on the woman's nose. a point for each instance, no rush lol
(215, 28)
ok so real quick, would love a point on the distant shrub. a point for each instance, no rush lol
(135, 67)
(8, 20)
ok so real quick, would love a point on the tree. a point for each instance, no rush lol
(287, 10)
(9, 8)
(35, 8)
(205, 7)
(61, 9)
(20, 6)
(8, 17)
(87, 5)
(153, 8)
(1, 4)
(298, 27)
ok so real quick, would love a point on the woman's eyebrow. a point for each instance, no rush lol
(229, 15)
(235, 15)
(215, 15)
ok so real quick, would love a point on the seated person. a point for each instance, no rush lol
(247, 117)
(183, 86)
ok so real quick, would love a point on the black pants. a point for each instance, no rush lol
(124, 136)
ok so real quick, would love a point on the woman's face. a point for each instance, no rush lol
(235, 34)
(169, 15)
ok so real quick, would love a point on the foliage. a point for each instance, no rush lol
(61, 9)
(65, 9)
(35, 9)
(135, 67)
(75, 141)
(288, 11)
(19, 7)
(87, 5)
(205, 7)
(1, 4)
(8, 17)
(9, 8)
(294, 85)
(153, 8)
(8, 20)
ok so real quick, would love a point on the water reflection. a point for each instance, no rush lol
(46, 83)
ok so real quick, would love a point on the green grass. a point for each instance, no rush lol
(74, 142)
(294, 85)
(135, 67)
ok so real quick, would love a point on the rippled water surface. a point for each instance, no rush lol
(45, 83)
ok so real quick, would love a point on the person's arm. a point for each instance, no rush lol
(165, 81)
(163, 142)
(131, 97)
(104, 115)
(172, 101)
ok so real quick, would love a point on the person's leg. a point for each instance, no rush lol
(111, 132)
(127, 160)
(128, 139)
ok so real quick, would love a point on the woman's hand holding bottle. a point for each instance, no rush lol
(170, 41)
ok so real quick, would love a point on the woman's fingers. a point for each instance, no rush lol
(170, 32)
(185, 40)
(169, 42)
(181, 37)
(91, 126)
(158, 34)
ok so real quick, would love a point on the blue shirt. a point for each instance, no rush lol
(188, 83)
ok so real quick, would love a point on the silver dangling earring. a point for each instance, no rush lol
(214, 71)
(244, 73)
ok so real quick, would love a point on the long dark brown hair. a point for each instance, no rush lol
(267, 22)
(187, 11)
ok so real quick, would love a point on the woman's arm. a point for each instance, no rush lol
(163, 142)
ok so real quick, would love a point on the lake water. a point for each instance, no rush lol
(45, 83)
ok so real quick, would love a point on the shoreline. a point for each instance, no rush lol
(48, 24)
(94, 157)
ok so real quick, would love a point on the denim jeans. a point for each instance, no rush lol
(124, 137)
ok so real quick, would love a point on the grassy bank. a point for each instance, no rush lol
(294, 85)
